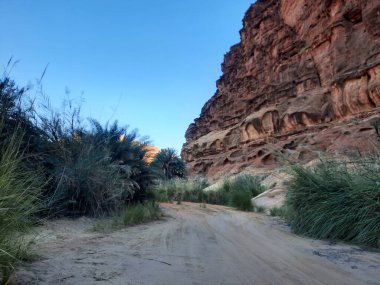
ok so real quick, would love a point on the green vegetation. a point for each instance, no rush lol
(20, 190)
(240, 190)
(55, 164)
(278, 211)
(168, 165)
(241, 200)
(131, 215)
(338, 200)
(86, 169)
(180, 189)
(258, 209)
(97, 171)
(236, 192)
(91, 169)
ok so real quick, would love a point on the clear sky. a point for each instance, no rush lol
(150, 64)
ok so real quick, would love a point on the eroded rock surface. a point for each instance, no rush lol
(305, 77)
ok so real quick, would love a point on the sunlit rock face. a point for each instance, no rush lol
(305, 77)
(151, 152)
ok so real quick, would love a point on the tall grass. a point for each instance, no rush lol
(240, 190)
(336, 200)
(181, 189)
(19, 196)
(131, 215)
(236, 192)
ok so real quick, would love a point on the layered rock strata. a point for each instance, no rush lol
(305, 77)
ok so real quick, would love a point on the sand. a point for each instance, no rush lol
(194, 245)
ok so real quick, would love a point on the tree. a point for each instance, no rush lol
(168, 164)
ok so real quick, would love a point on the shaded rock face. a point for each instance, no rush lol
(305, 76)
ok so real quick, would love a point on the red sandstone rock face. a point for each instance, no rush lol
(305, 76)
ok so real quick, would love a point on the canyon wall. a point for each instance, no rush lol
(304, 78)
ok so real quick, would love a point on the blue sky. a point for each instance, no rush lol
(149, 64)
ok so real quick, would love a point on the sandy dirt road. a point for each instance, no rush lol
(194, 245)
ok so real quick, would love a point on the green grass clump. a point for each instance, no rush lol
(240, 190)
(140, 213)
(19, 193)
(336, 200)
(246, 183)
(220, 196)
(278, 211)
(129, 216)
(241, 200)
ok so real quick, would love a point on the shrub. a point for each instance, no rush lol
(168, 164)
(192, 190)
(93, 171)
(165, 190)
(17, 116)
(131, 215)
(241, 200)
(19, 193)
(246, 183)
(181, 189)
(336, 200)
(236, 192)
(278, 211)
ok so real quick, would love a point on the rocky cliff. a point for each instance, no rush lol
(304, 78)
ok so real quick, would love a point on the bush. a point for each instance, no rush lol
(220, 196)
(193, 190)
(181, 189)
(93, 171)
(168, 165)
(240, 190)
(85, 181)
(165, 190)
(241, 200)
(90, 169)
(278, 211)
(131, 215)
(246, 183)
(236, 192)
(336, 200)
(19, 193)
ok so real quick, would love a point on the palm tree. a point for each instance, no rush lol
(168, 164)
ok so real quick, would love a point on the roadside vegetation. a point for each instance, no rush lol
(130, 215)
(236, 192)
(336, 200)
(55, 164)
(19, 201)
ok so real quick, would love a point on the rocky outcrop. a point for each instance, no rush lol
(305, 77)
(150, 153)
